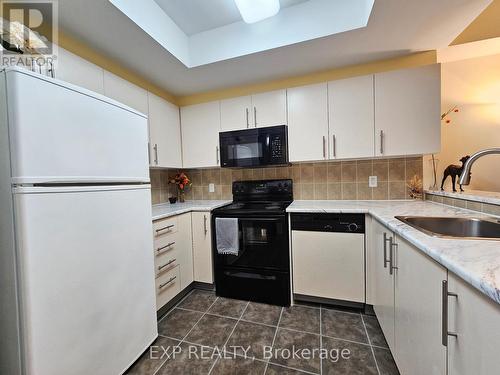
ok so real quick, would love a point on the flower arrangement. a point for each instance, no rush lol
(181, 180)
(446, 118)
(415, 187)
(446, 115)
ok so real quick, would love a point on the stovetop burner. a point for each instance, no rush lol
(264, 196)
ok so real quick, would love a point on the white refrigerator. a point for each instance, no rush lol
(76, 260)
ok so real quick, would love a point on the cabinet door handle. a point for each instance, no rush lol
(334, 146)
(444, 323)
(156, 153)
(161, 286)
(164, 247)
(324, 147)
(255, 116)
(392, 245)
(248, 124)
(205, 224)
(51, 69)
(149, 153)
(386, 239)
(381, 142)
(168, 227)
(217, 154)
(166, 264)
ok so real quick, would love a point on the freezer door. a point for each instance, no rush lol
(87, 278)
(60, 133)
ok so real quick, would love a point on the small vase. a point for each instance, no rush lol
(182, 199)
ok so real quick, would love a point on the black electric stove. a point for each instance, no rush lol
(261, 270)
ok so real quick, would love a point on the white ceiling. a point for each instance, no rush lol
(302, 22)
(395, 28)
(195, 16)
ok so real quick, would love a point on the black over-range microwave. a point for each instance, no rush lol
(258, 147)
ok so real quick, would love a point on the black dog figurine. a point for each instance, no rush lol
(454, 171)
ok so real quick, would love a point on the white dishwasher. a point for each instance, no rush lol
(328, 256)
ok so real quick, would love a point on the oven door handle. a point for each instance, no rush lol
(247, 275)
(254, 219)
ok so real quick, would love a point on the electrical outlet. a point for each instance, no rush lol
(372, 181)
(211, 188)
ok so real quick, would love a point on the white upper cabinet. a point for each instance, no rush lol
(269, 108)
(253, 111)
(73, 69)
(200, 124)
(407, 111)
(308, 122)
(236, 113)
(164, 133)
(125, 92)
(351, 116)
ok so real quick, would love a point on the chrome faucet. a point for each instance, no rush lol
(465, 176)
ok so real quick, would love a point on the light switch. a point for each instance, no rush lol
(211, 188)
(372, 181)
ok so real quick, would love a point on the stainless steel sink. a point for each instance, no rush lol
(455, 227)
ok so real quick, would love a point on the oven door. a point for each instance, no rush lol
(263, 244)
(254, 147)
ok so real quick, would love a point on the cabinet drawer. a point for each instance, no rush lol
(167, 286)
(166, 243)
(166, 262)
(165, 227)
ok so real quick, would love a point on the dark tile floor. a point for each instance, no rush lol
(205, 334)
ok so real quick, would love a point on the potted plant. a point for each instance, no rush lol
(415, 188)
(182, 181)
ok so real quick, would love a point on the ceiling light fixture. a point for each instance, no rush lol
(256, 10)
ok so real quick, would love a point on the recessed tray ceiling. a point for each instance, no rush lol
(200, 32)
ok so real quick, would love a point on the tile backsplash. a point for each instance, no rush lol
(487, 208)
(312, 181)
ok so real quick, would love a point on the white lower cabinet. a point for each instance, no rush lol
(167, 286)
(474, 318)
(383, 282)
(418, 311)
(173, 256)
(335, 259)
(185, 258)
(407, 302)
(434, 322)
(202, 247)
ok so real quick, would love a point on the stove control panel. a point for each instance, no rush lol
(264, 189)
(329, 222)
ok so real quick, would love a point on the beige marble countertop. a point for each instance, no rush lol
(163, 210)
(475, 261)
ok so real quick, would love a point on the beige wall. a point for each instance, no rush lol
(325, 180)
(474, 86)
